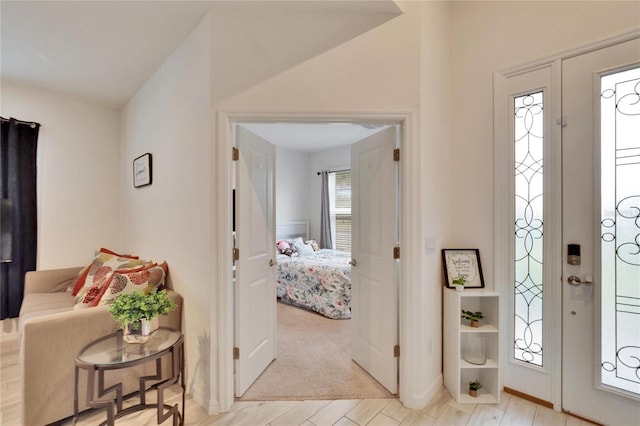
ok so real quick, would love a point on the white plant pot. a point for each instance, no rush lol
(460, 288)
(142, 334)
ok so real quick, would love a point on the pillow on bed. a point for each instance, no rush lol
(304, 249)
(283, 246)
(314, 244)
(295, 241)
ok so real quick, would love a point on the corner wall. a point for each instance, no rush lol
(170, 117)
(78, 184)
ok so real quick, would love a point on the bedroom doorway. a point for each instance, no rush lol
(375, 233)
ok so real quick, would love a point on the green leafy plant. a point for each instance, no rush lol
(130, 308)
(471, 316)
(475, 385)
(459, 281)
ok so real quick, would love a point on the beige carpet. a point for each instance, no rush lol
(313, 362)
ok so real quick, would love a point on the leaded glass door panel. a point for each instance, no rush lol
(601, 213)
(528, 231)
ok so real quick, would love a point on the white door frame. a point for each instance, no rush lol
(410, 269)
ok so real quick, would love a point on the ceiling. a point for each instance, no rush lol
(104, 51)
(313, 137)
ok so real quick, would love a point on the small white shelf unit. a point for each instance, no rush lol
(458, 372)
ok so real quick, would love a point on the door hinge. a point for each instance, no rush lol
(396, 351)
(236, 353)
(236, 254)
(396, 154)
(562, 121)
(396, 252)
(235, 154)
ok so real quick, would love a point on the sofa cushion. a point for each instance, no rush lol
(39, 304)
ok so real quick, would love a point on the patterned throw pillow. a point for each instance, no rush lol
(142, 279)
(103, 257)
(97, 276)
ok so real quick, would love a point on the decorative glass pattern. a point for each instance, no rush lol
(620, 230)
(528, 140)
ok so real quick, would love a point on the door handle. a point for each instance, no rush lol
(353, 262)
(576, 280)
(271, 262)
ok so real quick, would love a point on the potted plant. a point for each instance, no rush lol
(134, 311)
(473, 388)
(459, 283)
(473, 317)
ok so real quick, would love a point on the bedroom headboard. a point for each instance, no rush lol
(292, 229)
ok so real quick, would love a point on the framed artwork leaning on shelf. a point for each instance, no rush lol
(462, 263)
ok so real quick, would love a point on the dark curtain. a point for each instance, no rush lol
(18, 144)
(326, 238)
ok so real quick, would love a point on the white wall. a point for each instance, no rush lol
(292, 185)
(78, 177)
(435, 125)
(490, 36)
(331, 159)
(171, 220)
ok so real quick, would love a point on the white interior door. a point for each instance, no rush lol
(374, 277)
(255, 295)
(601, 213)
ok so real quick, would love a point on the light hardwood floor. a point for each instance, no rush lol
(442, 410)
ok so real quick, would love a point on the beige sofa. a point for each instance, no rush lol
(52, 334)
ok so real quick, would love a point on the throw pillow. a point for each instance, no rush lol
(314, 244)
(304, 249)
(283, 246)
(104, 257)
(143, 279)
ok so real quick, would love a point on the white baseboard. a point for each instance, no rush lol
(211, 406)
(214, 407)
(420, 401)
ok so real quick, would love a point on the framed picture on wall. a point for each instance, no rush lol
(462, 263)
(142, 170)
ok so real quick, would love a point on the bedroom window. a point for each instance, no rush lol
(340, 194)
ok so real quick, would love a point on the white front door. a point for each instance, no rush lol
(374, 275)
(255, 294)
(601, 214)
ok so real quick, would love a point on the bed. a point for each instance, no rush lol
(320, 282)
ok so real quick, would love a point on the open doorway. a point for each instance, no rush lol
(409, 271)
(317, 284)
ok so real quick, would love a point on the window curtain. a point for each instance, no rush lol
(18, 145)
(326, 239)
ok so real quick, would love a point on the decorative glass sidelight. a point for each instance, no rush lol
(528, 140)
(620, 230)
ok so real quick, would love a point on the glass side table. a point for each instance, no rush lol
(113, 353)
